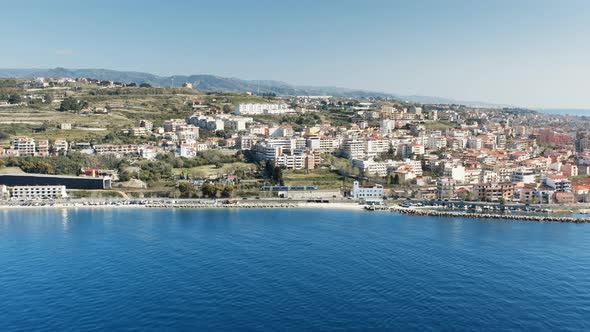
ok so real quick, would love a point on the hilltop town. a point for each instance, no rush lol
(86, 138)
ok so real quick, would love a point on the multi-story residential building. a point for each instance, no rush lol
(147, 152)
(569, 170)
(43, 148)
(353, 148)
(38, 192)
(147, 124)
(455, 172)
(375, 147)
(370, 167)
(173, 124)
(558, 183)
(24, 146)
(472, 175)
(436, 142)
(139, 131)
(121, 149)
(258, 109)
(246, 142)
(523, 175)
(445, 188)
(494, 192)
(237, 123)
(296, 161)
(187, 151)
(474, 143)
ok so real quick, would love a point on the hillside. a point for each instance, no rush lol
(227, 84)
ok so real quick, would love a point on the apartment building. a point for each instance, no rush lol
(38, 192)
(259, 109)
(494, 192)
(24, 146)
(121, 149)
(353, 149)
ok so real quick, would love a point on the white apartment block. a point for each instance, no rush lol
(371, 167)
(353, 149)
(171, 125)
(38, 192)
(376, 147)
(186, 151)
(259, 109)
(296, 161)
(455, 172)
(436, 142)
(237, 123)
(523, 175)
(24, 146)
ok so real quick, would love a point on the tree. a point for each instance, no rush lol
(15, 99)
(145, 85)
(48, 98)
(71, 104)
(208, 190)
(228, 191)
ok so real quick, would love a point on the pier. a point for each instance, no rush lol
(451, 214)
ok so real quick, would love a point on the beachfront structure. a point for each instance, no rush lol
(38, 192)
(70, 182)
(366, 192)
(259, 109)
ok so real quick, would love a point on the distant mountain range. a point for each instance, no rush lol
(218, 83)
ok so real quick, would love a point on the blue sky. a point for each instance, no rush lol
(527, 53)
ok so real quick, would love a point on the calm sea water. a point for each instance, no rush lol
(566, 111)
(275, 270)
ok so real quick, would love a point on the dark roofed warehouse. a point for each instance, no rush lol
(71, 182)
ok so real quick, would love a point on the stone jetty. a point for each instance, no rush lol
(191, 205)
(447, 214)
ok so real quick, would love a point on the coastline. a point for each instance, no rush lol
(192, 205)
(342, 206)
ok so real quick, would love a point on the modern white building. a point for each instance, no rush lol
(371, 193)
(38, 192)
(24, 146)
(523, 175)
(353, 149)
(455, 172)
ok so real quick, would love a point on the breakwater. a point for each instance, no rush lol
(189, 205)
(432, 213)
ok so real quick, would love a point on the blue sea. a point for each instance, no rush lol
(288, 270)
(566, 111)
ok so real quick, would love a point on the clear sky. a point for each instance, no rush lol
(528, 53)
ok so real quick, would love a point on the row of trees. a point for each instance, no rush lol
(209, 190)
(63, 165)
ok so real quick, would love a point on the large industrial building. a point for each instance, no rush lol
(70, 182)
